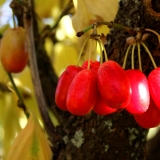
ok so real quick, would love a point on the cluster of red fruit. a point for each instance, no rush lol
(108, 88)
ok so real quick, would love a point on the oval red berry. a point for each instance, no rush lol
(140, 97)
(113, 85)
(13, 50)
(101, 108)
(82, 93)
(150, 118)
(63, 85)
(154, 85)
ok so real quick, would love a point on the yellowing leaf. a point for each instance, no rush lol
(9, 118)
(88, 11)
(82, 16)
(104, 9)
(31, 143)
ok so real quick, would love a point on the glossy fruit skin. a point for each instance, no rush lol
(113, 85)
(63, 85)
(154, 85)
(13, 50)
(94, 65)
(101, 108)
(150, 118)
(82, 93)
(140, 97)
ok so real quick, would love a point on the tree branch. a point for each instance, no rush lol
(28, 23)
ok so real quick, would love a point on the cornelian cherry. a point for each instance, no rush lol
(94, 65)
(63, 85)
(82, 93)
(154, 85)
(101, 108)
(113, 85)
(150, 118)
(13, 50)
(140, 97)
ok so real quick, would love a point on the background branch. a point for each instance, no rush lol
(28, 23)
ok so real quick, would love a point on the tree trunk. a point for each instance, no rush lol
(113, 137)
(116, 136)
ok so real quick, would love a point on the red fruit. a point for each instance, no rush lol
(82, 93)
(101, 108)
(13, 50)
(113, 85)
(63, 85)
(140, 97)
(154, 85)
(94, 65)
(150, 118)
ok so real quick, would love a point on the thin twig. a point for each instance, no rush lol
(110, 25)
(35, 74)
(21, 103)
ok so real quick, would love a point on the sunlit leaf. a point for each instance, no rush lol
(31, 143)
(89, 11)
(9, 117)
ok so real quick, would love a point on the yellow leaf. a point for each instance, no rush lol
(104, 9)
(9, 118)
(31, 143)
(88, 11)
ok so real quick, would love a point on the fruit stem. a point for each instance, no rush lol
(152, 31)
(101, 57)
(81, 51)
(105, 53)
(21, 102)
(139, 57)
(132, 58)
(150, 55)
(89, 56)
(125, 58)
(80, 33)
